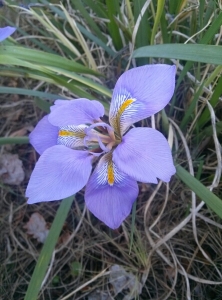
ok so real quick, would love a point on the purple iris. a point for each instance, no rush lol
(6, 32)
(72, 137)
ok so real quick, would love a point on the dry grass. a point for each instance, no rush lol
(176, 249)
(163, 270)
(164, 256)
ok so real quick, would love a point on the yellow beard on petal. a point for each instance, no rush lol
(124, 106)
(71, 133)
(110, 174)
(120, 112)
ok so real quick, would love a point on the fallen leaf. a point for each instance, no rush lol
(21, 132)
(64, 237)
(37, 227)
(99, 295)
(122, 280)
(11, 171)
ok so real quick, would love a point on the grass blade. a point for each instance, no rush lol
(14, 140)
(144, 31)
(45, 59)
(198, 188)
(191, 52)
(92, 24)
(198, 93)
(204, 118)
(160, 7)
(43, 105)
(47, 250)
(113, 9)
(33, 93)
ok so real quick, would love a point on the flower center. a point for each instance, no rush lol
(101, 133)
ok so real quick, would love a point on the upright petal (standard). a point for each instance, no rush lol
(140, 93)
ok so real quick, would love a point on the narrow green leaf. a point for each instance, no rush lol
(208, 35)
(14, 140)
(86, 81)
(189, 111)
(55, 79)
(33, 93)
(11, 60)
(112, 10)
(193, 104)
(97, 7)
(193, 24)
(55, 73)
(83, 30)
(180, 5)
(72, 86)
(144, 31)
(42, 104)
(96, 40)
(192, 52)
(45, 59)
(35, 41)
(47, 250)
(208, 131)
(173, 6)
(160, 7)
(165, 31)
(198, 188)
(205, 116)
(129, 14)
(210, 9)
(201, 14)
(85, 15)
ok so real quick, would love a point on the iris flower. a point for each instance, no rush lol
(6, 32)
(73, 136)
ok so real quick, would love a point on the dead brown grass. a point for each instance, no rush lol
(172, 257)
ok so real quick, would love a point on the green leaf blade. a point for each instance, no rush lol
(204, 193)
(191, 52)
(47, 250)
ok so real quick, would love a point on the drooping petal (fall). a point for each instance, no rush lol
(140, 93)
(145, 155)
(110, 193)
(59, 173)
(44, 135)
(6, 32)
(76, 112)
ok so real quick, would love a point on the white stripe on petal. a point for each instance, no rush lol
(121, 109)
(72, 136)
(107, 172)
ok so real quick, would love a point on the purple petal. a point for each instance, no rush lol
(59, 173)
(110, 196)
(6, 32)
(58, 103)
(76, 112)
(140, 93)
(144, 154)
(44, 135)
